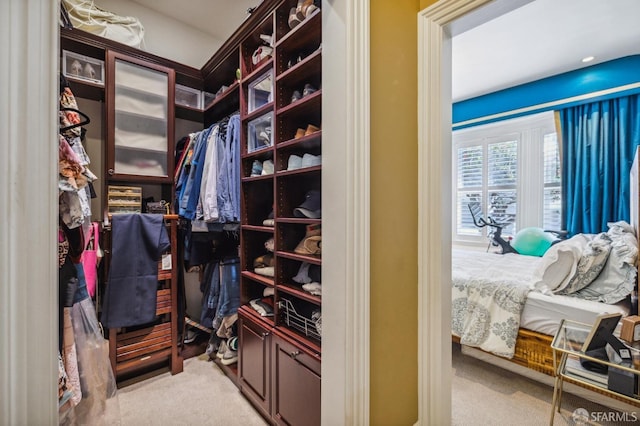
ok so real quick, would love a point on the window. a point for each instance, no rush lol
(512, 169)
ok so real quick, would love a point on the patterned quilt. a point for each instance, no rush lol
(488, 294)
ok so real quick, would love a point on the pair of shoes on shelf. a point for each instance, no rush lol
(265, 136)
(306, 91)
(267, 39)
(307, 160)
(261, 168)
(306, 132)
(303, 10)
(261, 53)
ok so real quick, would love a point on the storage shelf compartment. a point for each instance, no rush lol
(285, 92)
(258, 278)
(310, 66)
(248, 311)
(298, 318)
(306, 104)
(292, 191)
(316, 260)
(307, 33)
(257, 201)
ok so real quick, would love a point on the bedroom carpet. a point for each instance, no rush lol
(483, 394)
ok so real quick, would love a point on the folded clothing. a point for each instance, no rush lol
(313, 288)
(262, 306)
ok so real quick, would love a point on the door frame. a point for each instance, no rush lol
(434, 207)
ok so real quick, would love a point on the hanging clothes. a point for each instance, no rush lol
(130, 297)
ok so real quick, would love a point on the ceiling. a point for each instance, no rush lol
(538, 39)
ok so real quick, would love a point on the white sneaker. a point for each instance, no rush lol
(309, 160)
(295, 162)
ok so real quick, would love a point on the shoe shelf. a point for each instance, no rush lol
(297, 172)
(306, 106)
(224, 104)
(258, 278)
(258, 112)
(294, 67)
(310, 141)
(304, 35)
(258, 228)
(284, 87)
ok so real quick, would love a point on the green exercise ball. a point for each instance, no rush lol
(532, 241)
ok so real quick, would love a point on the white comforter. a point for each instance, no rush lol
(488, 294)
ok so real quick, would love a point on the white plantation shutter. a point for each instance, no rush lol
(469, 187)
(502, 164)
(470, 167)
(552, 206)
(493, 163)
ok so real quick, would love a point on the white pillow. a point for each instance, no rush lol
(617, 279)
(559, 263)
(591, 263)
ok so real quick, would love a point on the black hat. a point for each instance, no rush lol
(311, 207)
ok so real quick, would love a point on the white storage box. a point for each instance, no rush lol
(188, 97)
(79, 67)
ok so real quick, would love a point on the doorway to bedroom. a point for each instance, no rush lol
(439, 26)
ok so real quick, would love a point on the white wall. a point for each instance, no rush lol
(167, 37)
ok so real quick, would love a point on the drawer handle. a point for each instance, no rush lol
(265, 334)
(111, 172)
(294, 354)
(144, 358)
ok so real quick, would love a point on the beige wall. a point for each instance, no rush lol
(168, 44)
(394, 212)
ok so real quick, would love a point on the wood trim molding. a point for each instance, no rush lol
(345, 173)
(29, 212)
(434, 208)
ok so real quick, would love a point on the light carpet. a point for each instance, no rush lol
(200, 395)
(483, 394)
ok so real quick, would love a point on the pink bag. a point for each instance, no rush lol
(91, 258)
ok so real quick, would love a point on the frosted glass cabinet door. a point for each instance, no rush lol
(140, 118)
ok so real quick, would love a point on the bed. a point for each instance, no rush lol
(510, 305)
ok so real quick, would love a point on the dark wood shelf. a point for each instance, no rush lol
(298, 172)
(298, 220)
(257, 277)
(258, 228)
(316, 260)
(296, 290)
(302, 105)
(263, 110)
(313, 140)
(297, 337)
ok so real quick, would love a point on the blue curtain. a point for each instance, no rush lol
(598, 144)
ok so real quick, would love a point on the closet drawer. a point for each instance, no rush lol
(143, 342)
(163, 303)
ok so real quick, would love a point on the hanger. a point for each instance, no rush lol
(87, 120)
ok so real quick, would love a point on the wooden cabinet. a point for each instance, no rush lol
(295, 382)
(254, 362)
(281, 116)
(140, 114)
